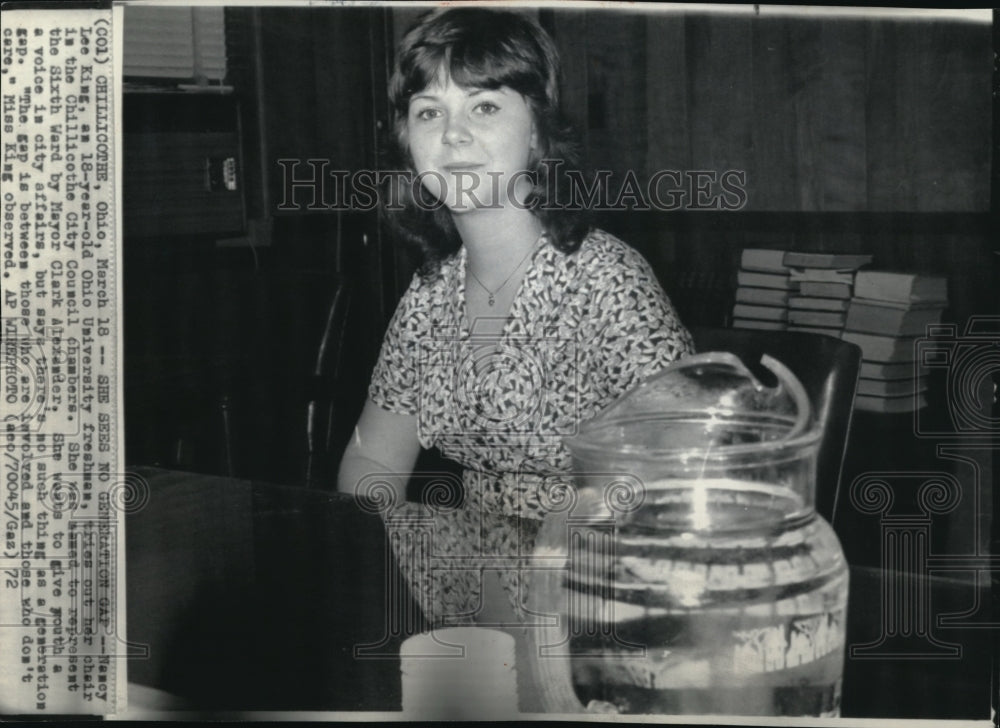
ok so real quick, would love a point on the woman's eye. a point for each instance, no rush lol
(427, 114)
(487, 108)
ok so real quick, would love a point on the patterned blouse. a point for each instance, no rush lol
(583, 329)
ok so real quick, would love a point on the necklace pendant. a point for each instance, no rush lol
(490, 300)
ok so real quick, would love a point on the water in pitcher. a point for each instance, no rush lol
(748, 620)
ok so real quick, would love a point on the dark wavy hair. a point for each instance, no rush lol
(487, 49)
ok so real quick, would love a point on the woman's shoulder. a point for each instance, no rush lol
(604, 254)
(437, 282)
(429, 299)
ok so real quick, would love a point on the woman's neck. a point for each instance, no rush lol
(496, 243)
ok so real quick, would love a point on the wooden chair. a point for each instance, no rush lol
(323, 405)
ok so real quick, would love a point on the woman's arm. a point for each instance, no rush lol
(383, 443)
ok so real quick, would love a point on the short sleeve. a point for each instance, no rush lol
(639, 332)
(394, 385)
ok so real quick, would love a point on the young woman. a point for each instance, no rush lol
(521, 322)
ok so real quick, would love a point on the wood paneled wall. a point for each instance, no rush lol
(856, 135)
(845, 114)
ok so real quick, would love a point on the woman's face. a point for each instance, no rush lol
(471, 146)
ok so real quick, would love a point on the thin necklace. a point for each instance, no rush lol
(492, 294)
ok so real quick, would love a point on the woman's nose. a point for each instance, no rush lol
(456, 132)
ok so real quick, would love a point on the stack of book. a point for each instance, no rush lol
(825, 283)
(763, 288)
(885, 317)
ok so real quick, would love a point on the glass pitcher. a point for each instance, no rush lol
(686, 571)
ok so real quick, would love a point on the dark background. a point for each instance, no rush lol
(856, 135)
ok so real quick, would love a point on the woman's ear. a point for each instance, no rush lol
(536, 154)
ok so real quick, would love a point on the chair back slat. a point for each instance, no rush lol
(828, 369)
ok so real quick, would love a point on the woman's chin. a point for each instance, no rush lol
(465, 207)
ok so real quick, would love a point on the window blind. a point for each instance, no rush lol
(184, 43)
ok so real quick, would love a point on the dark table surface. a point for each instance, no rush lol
(252, 596)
